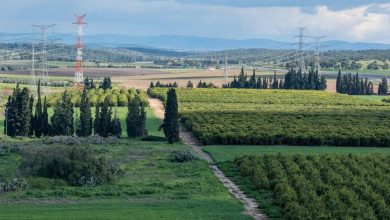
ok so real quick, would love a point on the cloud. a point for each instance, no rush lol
(228, 19)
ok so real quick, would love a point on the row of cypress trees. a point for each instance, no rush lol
(292, 80)
(20, 120)
(353, 84)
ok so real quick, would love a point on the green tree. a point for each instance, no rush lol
(190, 84)
(105, 119)
(116, 128)
(383, 88)
(339, 83)
(96, 123)
(135, 119)
(38, 120)
(171, 118)
(85, 125)
(62, 119)
(106, 83)
(32, 118)
(45, 119)
(24, 112)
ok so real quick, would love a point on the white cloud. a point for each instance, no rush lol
(135, 17)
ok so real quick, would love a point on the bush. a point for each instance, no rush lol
(66, 140)
(76, 165)
(15, 184)
(70, 140)
(183, 156)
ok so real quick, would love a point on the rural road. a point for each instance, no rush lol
(250, 205)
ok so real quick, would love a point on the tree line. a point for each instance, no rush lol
(292, 80)
(355, 85)
(20, 120)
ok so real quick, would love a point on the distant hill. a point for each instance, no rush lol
(183, 43)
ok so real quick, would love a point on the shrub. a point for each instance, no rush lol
(66, 140)
(15, 184)
(76, 165)
(183, 156)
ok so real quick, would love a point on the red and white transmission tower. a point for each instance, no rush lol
(78, 77)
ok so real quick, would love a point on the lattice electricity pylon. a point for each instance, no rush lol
(317, 55)
(300, 37)
(225, 73)
(79, 72)
(41, 73)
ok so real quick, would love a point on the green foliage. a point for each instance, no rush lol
(135, 119)
(38, 117)
(18, 113)
(103, 122)
(14, 184)
(62, 119)
(45, 119)
(275, 117)
(116, 129)
(96, 96)
(89, 84)
(85, 124)
(292, 80)
(171, 117)
(106, 83)
(353, 85)
(383, 88)
(76, 165)
(183, 156)
(326, 186)
(190, 84)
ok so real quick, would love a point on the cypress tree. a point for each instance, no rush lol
(190, 84)
(171, 118)
(85, 126)
(62, 119)
(105, 119)
(135, 119)
(38, 124)
(116, 128)
(96, 123)
(383, 88)
(45, 119)
(24, 113)
(275, 82)
(32, 119)
(339, 83)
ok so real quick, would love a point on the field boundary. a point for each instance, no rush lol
(250, 205)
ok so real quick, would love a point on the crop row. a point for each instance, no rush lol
(116, 96)
(273, 117)
(323, 187)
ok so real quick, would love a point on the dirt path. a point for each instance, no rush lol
(187, 137)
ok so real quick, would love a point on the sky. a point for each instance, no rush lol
(350, 20)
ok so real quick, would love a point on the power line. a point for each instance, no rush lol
(41, 73)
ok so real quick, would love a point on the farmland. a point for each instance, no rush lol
(151, 187)
(270, 117)
(314, 186)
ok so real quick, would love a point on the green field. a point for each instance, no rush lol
(282, 117)
(152, 187)
(318, 186)
(222, 153)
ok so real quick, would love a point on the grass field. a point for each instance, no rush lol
(221, 153)
(124, 209)
(152, 187)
